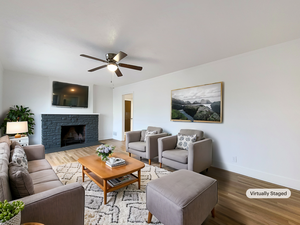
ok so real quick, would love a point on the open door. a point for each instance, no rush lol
(127, 115)
(127, 123)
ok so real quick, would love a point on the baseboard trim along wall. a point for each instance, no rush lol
(268, 177)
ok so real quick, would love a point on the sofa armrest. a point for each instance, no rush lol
(132, 136)
(166, 143)
(61, 205)
(200, 155)
(34, 152)
(152, 145)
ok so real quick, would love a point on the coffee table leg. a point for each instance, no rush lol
(105, 190)
(139, 177)
(82, 174)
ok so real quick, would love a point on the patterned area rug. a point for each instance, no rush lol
(126, 206)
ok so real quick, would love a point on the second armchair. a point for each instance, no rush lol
(178, 152)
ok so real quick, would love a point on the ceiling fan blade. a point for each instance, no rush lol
(97, 68)
(130, 66)
(91, 57)
(118, 72)
(120, 56)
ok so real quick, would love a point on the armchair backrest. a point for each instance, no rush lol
(199, 133)
(158, 129)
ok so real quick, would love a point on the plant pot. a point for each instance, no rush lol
(13, 221)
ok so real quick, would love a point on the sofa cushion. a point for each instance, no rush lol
(183, 141)
(38, 165)
(157, 129)
(14, 144)
(4, 151)
(199, 133)
(20, 181)
(143, 132)
(176, 155)
(4, 181)
(19, 157)
(41, 187)
(139, 146)
(149, 133)
(5, 139)
(43, 176)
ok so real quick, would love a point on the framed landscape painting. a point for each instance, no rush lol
(201, 103)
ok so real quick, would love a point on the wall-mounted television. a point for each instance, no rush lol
(70, 95)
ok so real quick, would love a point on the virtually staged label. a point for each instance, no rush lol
(268, 193)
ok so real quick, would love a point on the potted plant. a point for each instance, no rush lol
(10, 213)
(104, 151)
(19, 113)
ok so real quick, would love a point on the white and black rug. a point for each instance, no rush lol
(125, 206)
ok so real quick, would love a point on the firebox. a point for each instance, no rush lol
(74, 134)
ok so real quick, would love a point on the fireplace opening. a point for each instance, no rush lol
(74, 134)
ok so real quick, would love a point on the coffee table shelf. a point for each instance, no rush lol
(99, 181)
(98, 171)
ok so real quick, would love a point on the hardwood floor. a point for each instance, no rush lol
(233, 205)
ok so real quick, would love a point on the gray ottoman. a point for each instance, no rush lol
(182, 198)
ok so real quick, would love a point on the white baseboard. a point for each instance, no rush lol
(268, 177)
(105, 138)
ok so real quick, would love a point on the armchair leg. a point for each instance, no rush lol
(149, 217)
(213, 214)
(160, 165)
(129, 154)
(149, 160)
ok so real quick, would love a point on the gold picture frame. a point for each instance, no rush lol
(202, 103)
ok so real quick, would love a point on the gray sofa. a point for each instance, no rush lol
(52, 202)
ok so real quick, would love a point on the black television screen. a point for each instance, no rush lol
(71, 95)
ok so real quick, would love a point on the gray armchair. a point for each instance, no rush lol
(197, 158)
(148, 149)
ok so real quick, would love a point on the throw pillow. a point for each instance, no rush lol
(143, 135)
(14, 144)
(5, 139)
(149, 133)
(19, 157)
(183, 141)
(21, 184)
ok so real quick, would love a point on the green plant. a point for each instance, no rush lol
(22, 114)
(178, 115)
(9, 210)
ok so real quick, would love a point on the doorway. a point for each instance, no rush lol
(127, 114)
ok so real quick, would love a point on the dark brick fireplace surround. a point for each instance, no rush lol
(52, 126)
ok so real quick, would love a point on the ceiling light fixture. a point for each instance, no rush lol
(112, 67)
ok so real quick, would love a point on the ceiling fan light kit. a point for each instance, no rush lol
(112, 60)
(112, 67)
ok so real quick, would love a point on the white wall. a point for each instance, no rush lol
(104, 106)
(261, 111)
(1, 96)
(35, 92)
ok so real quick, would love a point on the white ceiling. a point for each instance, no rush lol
(46, 37)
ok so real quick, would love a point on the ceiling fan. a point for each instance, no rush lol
(112, 60)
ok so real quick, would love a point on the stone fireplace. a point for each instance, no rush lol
(72, 135)
(68, 131)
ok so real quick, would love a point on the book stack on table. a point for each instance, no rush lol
(118, 162)
(120, 180)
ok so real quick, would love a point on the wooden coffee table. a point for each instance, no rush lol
(100, 173)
